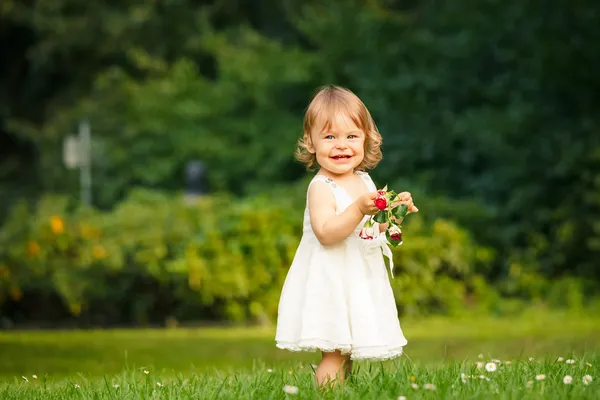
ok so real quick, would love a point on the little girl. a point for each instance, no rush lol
(337, 296)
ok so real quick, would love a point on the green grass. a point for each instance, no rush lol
(235, 362)
(371, 381)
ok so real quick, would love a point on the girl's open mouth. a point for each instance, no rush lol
(340, 157)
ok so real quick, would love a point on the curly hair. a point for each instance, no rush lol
(328, 102)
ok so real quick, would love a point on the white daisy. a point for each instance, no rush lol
(587, 379)
(289, 389)
(414, 386)
(35, 376)
(490, 367)
(463, 377)
(567, 380)
(269, 370)
(480, 364)
(401, 397)
(529, 384)
(159, 384)
(570, 361)
(116, 385)
(146, 371)
(540, 377)
(77, 386)
(429, 386)
(560, 359)
(531, 358)
(587, 363)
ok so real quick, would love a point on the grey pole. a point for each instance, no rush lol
(85, 175)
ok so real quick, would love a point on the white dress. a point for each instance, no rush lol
(339, 297)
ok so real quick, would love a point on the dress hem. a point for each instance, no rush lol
(356, 353)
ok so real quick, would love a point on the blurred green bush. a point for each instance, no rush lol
(156, 257)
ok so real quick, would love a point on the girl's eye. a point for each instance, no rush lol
(352, 136)
(329, 137)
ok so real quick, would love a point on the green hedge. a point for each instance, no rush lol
(155, 257)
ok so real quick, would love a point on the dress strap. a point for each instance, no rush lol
(321, 178)
(367, 178)
(330, 182)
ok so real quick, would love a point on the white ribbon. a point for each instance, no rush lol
(380, 241)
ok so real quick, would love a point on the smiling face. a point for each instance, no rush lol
(338, 145)
(339, 133)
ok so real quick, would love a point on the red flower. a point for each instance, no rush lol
(381, 200)
(366, 233)
(395, 233)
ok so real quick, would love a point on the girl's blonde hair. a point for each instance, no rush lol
(327, 102)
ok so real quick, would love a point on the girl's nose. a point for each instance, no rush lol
(341, 144)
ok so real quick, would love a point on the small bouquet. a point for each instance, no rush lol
(387, 213)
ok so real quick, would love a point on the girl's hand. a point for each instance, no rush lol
(406, 198)
(366, 203)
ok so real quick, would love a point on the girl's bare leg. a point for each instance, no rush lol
(333, 367)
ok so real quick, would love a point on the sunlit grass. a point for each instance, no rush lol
(520, 378)
(235, 362)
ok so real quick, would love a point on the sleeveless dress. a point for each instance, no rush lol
(339, 297)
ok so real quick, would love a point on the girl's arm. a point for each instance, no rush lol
(330, 228)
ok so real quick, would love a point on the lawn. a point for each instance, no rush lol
(243, 362)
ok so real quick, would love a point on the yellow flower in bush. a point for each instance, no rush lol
(15, 293)
(76, 308)
(57, 225)
(98, 252)
(33, 248)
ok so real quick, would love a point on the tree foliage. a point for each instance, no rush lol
(488, 107)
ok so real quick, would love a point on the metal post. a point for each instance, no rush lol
(85, 173)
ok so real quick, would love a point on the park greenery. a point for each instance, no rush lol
(541, 354)
(488, 110)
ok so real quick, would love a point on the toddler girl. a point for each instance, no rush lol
(337, 296)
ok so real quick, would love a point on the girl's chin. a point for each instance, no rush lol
(341, 169)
